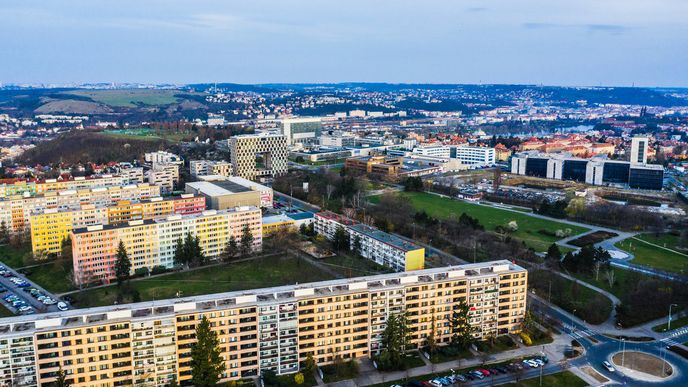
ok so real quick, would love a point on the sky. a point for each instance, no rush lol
(551, 42)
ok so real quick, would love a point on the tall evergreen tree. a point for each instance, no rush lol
(122, 264)
(341, 239)
(61, 378)
(231, 249)
(246, 244)
(179, 252)
(461, 329)
(206, 363)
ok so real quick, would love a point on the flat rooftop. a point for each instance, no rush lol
(218, 187)
(384, 237)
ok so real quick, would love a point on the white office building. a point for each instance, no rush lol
(473, 155)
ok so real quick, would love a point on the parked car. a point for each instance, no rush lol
(62, 306)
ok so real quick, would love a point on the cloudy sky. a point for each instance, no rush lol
(557, 42)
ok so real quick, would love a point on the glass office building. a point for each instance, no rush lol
(615, 173)
(574, 170)
(536, 167)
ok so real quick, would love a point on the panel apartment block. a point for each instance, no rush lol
(264, 329)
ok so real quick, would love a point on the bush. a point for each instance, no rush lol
(526, 339)
(158, 270)
(141, 272)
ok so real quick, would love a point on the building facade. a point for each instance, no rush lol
(209, 167)
(50, 228)
(264, 329)
(596, 171)
(258, 155)
(301, 129)
(474, 155)
(152, 242)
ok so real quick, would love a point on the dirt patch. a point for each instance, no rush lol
(592, 238)
(643, 362)
(596, 375)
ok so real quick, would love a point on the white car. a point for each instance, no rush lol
(62, 306)
(608, 366)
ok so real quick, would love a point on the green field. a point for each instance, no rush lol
(258, 273)
(15, 257)
(491, 217)
(354, 266)
(561, 379)
(144, 134)
(129, 97)
(4, 312)
(675, 324)
(649, 255)
(620, 280)
(53, 276)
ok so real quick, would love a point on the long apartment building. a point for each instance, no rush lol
(383, 248)
(151, 242)
(274, 329)
(16, 210)
(38, 187)
(51, 227)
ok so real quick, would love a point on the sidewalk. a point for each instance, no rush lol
(554, 352)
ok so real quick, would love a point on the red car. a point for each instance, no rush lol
(484, 372)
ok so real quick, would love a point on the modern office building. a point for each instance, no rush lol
(149, 343)
(386, 166)
(301, 130)
(50, 228)
(434, 150)
(639, 147)
(473, 155)
(209, 167)
(152, 242)
(16, 210)
(258, 155)
(596, 171)
(371, 243)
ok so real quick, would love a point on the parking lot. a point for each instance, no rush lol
(23, 297)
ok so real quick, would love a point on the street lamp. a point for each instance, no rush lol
(669, 323)
(573, 327)
(623, 352)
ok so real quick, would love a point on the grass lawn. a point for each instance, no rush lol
(288, 380)
(4, 312)
(53, 276)
(491, 217)
(620, 280)
(258, 273)
(354, 266)
(344, 371)
(501, 344)
(442, 356)
(667, 240)
(653, 256)
(129, 97)
(588, 304)
(563, 379)
(675, 324)
(15, 256)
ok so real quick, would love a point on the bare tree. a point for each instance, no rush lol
(611, 277)
(330, 190)
(596, 269)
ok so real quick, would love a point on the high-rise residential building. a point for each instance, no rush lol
(301, 130)
(11, 187)
(275, 329)
(16, 210)
(52, 227)
(162, 157)
(152, 242)
(164, 175)
(209, 167)
(258, 155)
(639, 147)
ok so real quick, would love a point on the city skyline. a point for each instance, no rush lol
(525, 42)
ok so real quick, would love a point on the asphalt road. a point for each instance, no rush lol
(605, 347)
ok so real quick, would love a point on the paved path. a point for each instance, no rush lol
(610, 324)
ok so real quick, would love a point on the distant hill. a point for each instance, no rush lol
(72, 106)
(82, 146)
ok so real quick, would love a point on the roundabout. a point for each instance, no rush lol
(642, 366)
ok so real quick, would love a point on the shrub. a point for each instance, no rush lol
(141, 272)
(158, 270)
(526, 339)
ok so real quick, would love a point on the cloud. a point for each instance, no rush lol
(614, 29)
